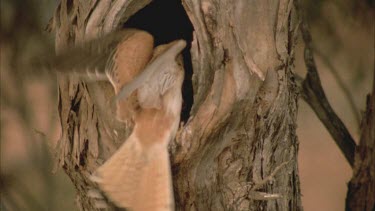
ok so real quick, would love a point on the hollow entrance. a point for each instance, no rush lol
(168, 21)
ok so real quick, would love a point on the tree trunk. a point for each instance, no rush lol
(361, 188)
(238, 148)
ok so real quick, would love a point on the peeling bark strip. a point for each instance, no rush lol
(238, 150)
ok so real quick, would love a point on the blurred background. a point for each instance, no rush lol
(343, 35)
(29, 118)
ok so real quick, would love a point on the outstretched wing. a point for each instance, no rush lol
(89, 60)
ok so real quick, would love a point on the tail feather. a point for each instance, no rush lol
(138, 178)
(120, 175)
(155, 188)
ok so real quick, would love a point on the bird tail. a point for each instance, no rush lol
(138, 178)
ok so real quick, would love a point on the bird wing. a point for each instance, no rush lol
(88, 60)
(158, 77)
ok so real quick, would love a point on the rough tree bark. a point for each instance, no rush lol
(238, 150)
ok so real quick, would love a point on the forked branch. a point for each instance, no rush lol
(313, 94)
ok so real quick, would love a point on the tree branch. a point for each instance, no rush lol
(313, 94)
(361, 188)
(341, 84)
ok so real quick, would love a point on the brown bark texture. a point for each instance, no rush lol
(238, 150)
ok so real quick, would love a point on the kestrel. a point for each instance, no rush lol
(147, 83)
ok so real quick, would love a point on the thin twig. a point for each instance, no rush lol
(313, 94)
(341, 84)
